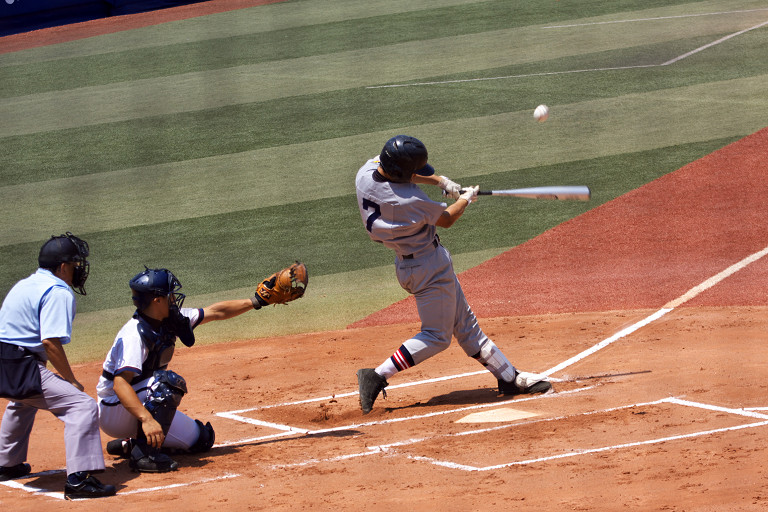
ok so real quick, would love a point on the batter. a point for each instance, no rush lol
(397, 213)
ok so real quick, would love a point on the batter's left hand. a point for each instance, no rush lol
(450, 188)
(470, 194)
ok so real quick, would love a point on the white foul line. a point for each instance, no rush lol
(670, 306)
(591, 70)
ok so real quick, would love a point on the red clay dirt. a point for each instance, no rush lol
(668, 417)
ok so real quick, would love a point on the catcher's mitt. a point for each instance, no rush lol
(283, 286)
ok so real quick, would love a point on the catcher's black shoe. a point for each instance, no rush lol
(17, 471)
(525, 384)
(87, 487)
(370, 384)
(155, 463)
(120, 447)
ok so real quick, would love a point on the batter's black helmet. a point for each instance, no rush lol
(155, 282)
(403, 156)
(63, 249)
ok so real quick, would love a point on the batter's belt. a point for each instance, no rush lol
(435, 243)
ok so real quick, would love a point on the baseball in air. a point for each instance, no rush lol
(541, 113)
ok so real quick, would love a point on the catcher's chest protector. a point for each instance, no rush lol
(160, 344)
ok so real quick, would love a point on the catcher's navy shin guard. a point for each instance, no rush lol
(206, 439)
(164, 397)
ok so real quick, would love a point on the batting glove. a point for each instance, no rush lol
(469, 194)
(450, 188)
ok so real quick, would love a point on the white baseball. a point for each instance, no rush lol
(541, 113)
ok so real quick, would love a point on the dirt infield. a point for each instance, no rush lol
(650, 310)
(669, 415)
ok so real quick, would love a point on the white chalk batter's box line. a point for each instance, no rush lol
(38, 491)
(290, 430)
(391, 448)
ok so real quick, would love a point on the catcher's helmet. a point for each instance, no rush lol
(155, 282)
(403, 156)
(63, 249)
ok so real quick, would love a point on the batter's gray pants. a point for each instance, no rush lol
(443, 309)
(75, 408)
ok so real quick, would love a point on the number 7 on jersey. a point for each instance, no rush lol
(370, 205)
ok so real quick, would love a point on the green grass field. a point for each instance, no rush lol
(224, 147)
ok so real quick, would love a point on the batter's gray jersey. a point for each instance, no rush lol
(404, 218)
(399, 215)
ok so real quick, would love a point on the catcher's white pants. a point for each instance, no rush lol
(117, 422)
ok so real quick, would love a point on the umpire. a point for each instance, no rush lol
(35, 322)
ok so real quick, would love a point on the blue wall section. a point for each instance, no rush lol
(24, 15)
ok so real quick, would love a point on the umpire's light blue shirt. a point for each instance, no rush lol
(39, 307)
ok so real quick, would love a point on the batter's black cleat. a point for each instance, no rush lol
(87, 487)
(525, 384)
(155, 463)
(370, 384)
(17, 471)
(120, 447)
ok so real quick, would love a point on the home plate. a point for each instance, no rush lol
(496, 416)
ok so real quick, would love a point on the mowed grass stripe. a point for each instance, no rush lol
(315, 170)
(305, 21)
(350, 32)
(276, 18)
(309, 118)
(224, 251)
(309, 75)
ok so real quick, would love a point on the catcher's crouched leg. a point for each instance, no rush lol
(162, 401)
(207, 437)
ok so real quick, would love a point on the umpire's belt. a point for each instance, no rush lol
(11, 351)
(435, 243)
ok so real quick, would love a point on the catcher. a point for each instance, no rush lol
(138, 395)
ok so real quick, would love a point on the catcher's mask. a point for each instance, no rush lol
(403, 156)
(155, 282)
(63, 249)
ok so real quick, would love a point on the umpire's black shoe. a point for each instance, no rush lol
(370, 384)
(155, 463)
(525, 384)
(17, 471)
(120, 447)
(88, 487)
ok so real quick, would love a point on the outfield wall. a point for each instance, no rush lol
(18, 16)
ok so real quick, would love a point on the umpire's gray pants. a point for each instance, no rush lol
(443, 309)
(75, 408)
